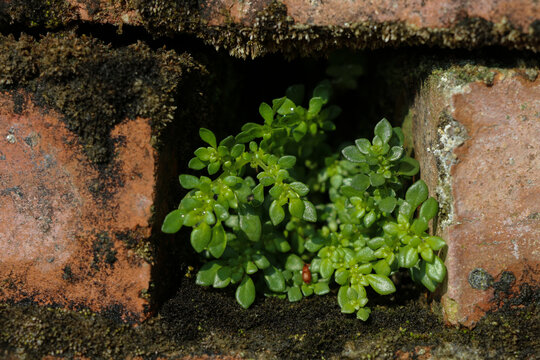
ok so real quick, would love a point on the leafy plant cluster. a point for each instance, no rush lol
(283, 215)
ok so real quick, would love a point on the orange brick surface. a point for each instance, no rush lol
(63, 223)
(479, 150)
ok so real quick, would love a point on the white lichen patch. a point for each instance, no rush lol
(450, 135)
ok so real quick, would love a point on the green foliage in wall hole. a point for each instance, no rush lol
(282, 214)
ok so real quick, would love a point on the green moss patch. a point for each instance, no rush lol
(204, 321)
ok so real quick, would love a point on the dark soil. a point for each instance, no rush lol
(199, 321)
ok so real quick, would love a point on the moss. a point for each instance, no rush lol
(273, 31)
(92, 84)
(200, 321)
(36, 13)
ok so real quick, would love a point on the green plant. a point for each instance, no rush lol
(285, 215)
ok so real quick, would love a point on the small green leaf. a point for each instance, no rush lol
(363, 313)
(350, 192)
(381, 267)
(417, 193)
(388, 204)
(315, 105)
(245, 292)
(395, 153)
(203, 153)
(247, 136)
(258, 193)
(314, 243)
(231, 180)
(250, 267)
(261, 261)
(370, 218)
(364, 145)
(406, 209)
(427, 254)
(360, 182)
(294, 263)
(435, 242)
(344, 300)
(295, 93)
(286, 108)
(341, 276)
(219, 241)
(436, 270)
(307, 290)
(200, 237)
(327, 269)
(223, 277)
(189, 181)
(391, 228)
(267, 113)
(213, 167)
(300, 188)
(173, 222)
(237, 150)
(408, 166)
(407, 257)
(266, 180)
(228, 141)
(207, 273)
(429, 209)
(274, 279)
(419, 226)
(294, 294)
(418, 274)
(321, 288)
(287, 161)
(300, 131)
(196, 164)
(310, 214)
(250, 224)
(376, 179)
(208, 137)
(282, 245)
(375, 243)
(276, 212)
(296, 208)
(352, 154)
(381, 284)
(383, 129)
(221, 212)
(323, 90)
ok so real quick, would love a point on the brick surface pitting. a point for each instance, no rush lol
(64, 221)
(478, 146)
(420, 13)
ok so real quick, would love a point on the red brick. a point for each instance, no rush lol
(418, 13)
(62, 221)
(479, 150)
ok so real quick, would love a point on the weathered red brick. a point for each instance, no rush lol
(478, 145)
(418, 13)
(64, 220)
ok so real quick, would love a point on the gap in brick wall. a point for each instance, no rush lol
(234, 88)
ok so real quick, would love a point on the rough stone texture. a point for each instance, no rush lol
(64, 222)
(304, 27)
(418, 13)
(476, 135)
(301, 27)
